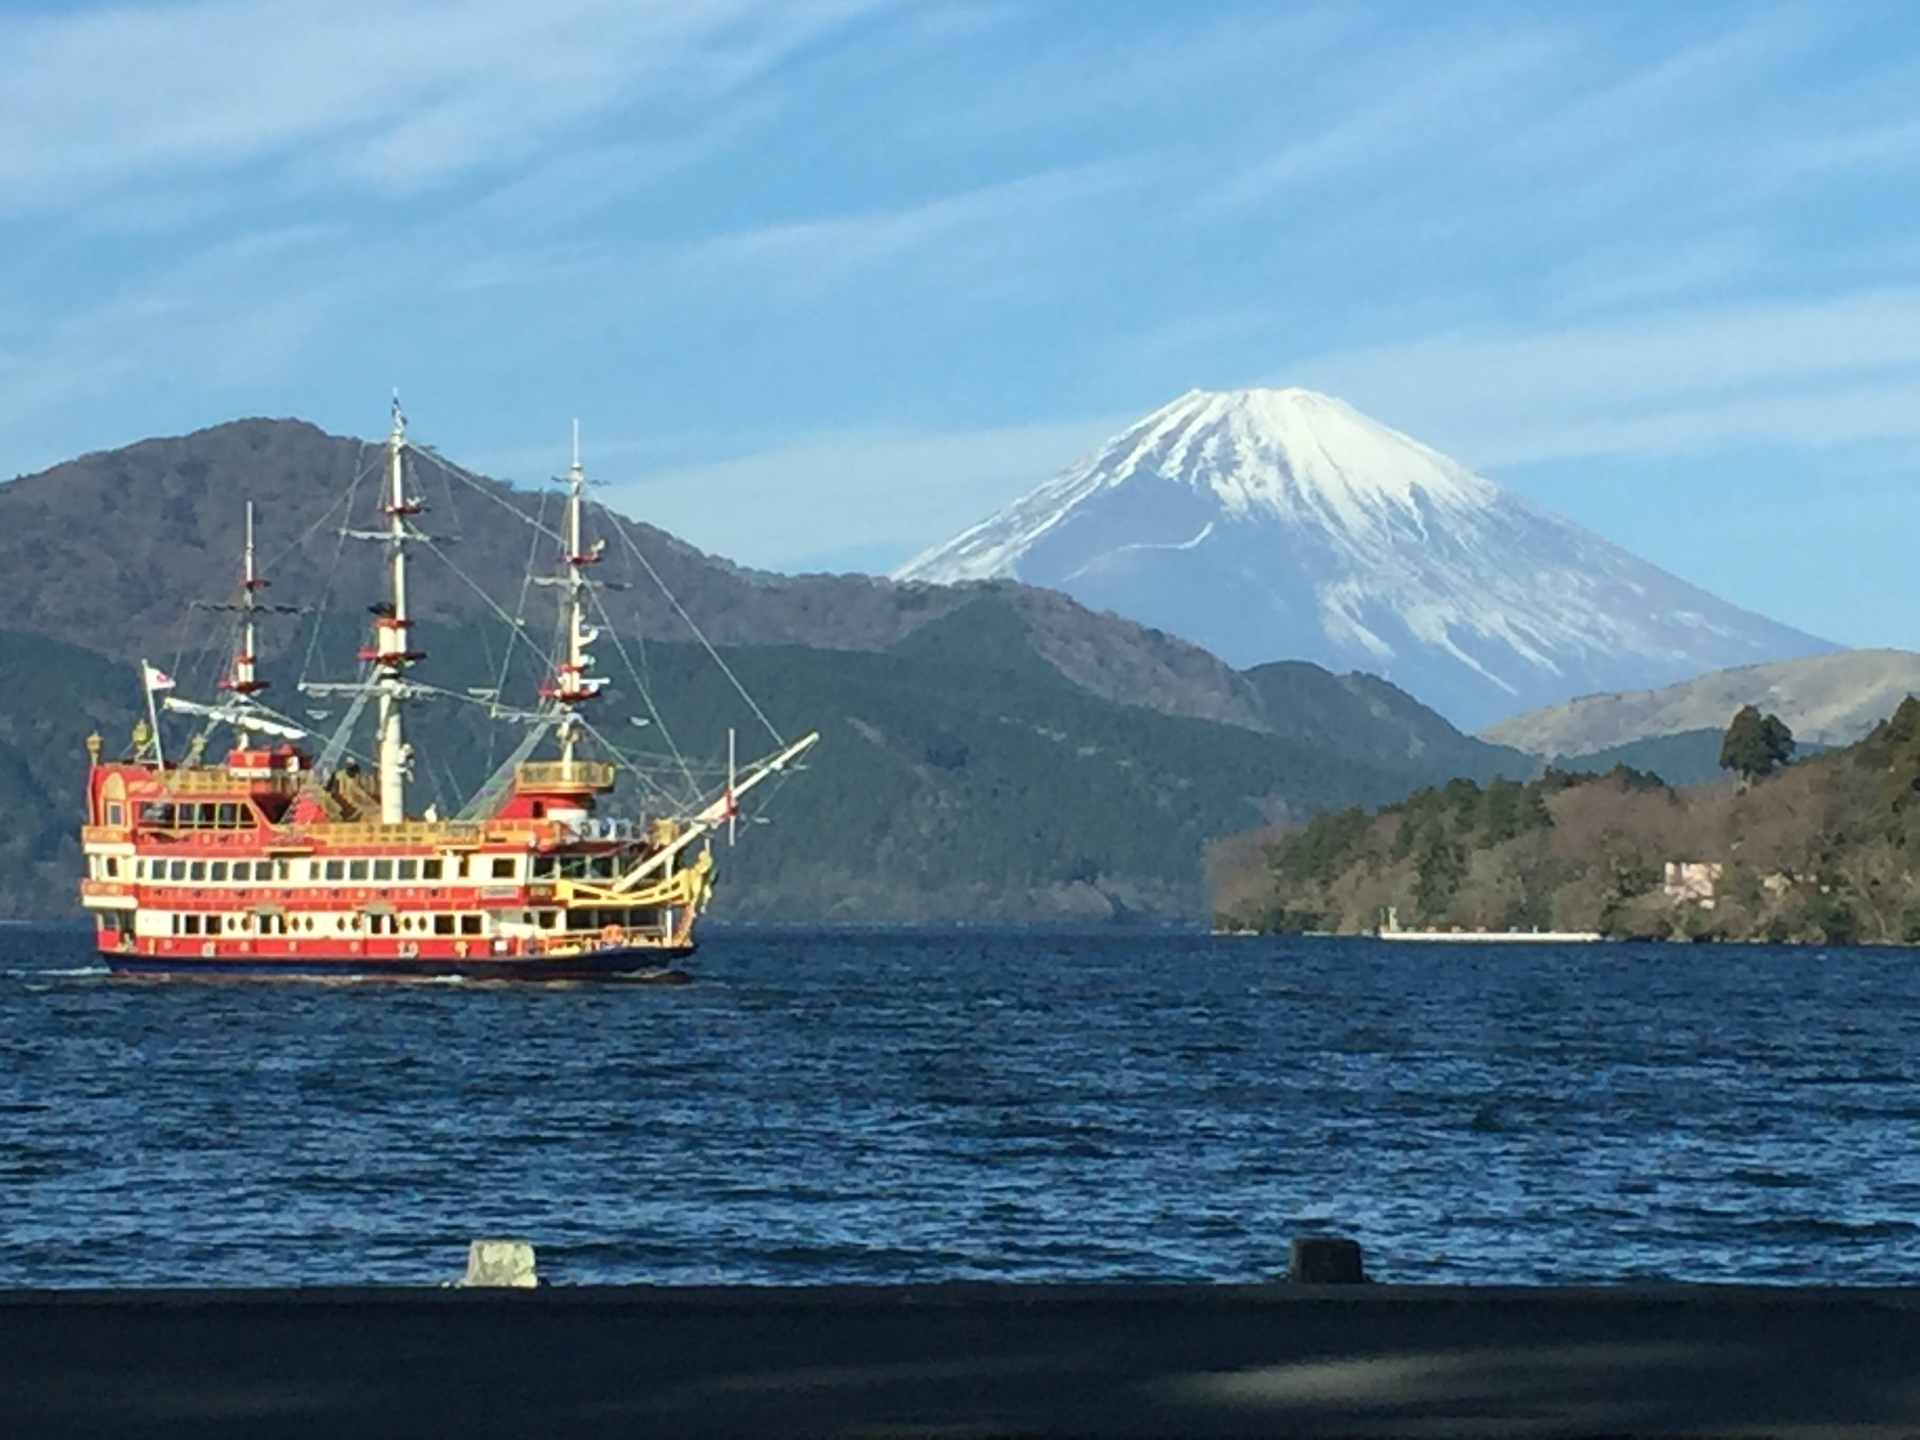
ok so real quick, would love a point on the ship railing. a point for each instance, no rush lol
(222, 781)
(564, 775)
(457, 833)
(680, 888)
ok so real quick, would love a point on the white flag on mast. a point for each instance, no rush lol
(157, 679)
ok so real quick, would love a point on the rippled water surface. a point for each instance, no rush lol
(877, 1106)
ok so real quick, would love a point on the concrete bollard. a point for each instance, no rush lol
(497, 1264)
(1325, 1260)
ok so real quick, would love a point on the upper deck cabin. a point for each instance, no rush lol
(254, 789)
(273, 795)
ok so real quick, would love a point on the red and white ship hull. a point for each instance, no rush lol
(238, 869)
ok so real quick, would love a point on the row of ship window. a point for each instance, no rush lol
(335, 924)
(396, 924)
(220, 815)
(261, 872)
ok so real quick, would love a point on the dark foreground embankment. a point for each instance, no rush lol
(1077, 1360)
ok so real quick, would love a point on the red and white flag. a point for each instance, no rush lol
(157, 679)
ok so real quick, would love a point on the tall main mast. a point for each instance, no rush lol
(244, 680)
(572, 686)
(391, 655)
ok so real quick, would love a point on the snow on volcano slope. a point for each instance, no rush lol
(1285, 525)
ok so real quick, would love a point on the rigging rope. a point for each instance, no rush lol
(516, 623)
(360, 473)
(698, 634)
(498, 609)
(646, 693)
(646, 776)
(526, 588)
(344, 499)
(453, 507)
(491, 490)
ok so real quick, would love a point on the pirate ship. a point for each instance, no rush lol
(275, 859)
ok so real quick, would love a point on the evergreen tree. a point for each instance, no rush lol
(1755, 745)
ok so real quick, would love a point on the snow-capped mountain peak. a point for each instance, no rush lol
(1288, 454)
(1275, 524)
(1286, 450)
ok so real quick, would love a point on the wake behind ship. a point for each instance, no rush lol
(277, 860)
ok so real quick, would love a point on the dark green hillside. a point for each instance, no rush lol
(982, 634)
(52, 696)
(955, 791)
(958, 776)
(1685, 758)
(1365, 718)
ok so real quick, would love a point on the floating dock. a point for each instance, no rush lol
(1080, 1360)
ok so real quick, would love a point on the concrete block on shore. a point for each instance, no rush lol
(1325, 1260)
(500, 1264)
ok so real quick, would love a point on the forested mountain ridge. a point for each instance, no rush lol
(960, 777)
(112, 550)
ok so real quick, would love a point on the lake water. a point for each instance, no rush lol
(894, 1106)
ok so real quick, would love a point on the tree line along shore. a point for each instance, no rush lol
(1821, 850)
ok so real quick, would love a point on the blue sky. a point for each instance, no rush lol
(826, 280)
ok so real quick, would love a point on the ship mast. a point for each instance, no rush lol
(572, 686)
(244, 680)
(390, 654)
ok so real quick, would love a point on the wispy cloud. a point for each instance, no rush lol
(1407, 102)
(1814, 372)
(1498, 161)
(985, 232)
(393, 94)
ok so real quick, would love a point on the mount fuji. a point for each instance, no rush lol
(1285, 525)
